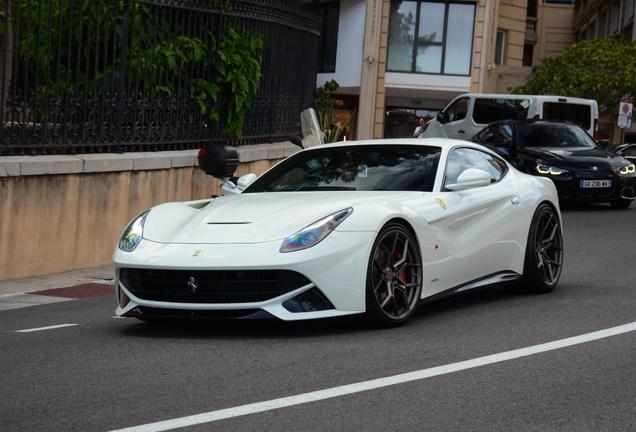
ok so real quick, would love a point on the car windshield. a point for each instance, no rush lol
(553, 135)
(353, 168)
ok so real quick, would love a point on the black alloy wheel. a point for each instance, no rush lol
(394, 277)
(544, 251)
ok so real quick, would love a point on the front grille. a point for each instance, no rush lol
(210, 286)
(592, 175)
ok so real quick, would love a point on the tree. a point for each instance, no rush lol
(603, 69)
(73, 48)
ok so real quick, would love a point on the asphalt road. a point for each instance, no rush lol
(484, 361)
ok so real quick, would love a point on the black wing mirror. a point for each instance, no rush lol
(441, 117)
(604, 143)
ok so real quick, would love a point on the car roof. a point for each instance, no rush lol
(434, 142)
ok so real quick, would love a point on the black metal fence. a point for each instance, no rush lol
(97, 76)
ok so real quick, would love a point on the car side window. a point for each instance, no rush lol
(458, 110)
(576, 113)
(630, 151)
(488, 110)
(497, 167)
(460, 159)
(488, 134)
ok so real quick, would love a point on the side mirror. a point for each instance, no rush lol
(441, 117)
(245, 181)
(219, 161)
(470, 178)
(604, 143)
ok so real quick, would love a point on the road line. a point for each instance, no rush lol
(376, 383)
(21, 300)
(45, 328)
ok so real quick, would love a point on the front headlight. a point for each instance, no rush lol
(133, 233)
(550, 170)
(314, 233)
(627, 170)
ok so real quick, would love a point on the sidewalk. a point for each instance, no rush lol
(104, 275)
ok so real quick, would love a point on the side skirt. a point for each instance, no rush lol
(503, 278)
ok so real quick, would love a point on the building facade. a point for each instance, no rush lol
(398, 60)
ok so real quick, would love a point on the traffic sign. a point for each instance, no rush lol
(624, 115)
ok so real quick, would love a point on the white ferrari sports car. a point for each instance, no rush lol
(359, 227)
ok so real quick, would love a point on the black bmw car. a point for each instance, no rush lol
(581, 169)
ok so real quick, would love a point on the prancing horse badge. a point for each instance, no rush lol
(441, 202)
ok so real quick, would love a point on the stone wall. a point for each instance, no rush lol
(61, 213)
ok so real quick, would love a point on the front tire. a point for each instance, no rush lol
(394, 277)
(544, 251)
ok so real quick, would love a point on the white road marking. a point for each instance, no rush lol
(376, 383)
(45, 328)
(21, 300)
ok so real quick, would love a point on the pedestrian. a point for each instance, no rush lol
(419, 129)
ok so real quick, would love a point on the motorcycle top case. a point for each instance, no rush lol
(219, 161)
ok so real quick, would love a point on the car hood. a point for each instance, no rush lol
(573, 157)
(250, 218)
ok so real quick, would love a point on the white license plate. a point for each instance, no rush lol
(596, 183)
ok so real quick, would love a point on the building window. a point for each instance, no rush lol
(616, 15)
(583, 35)
(328, 38)
(591, 30)
(528, 53)
(500, 47)
(426, 37)
(629, 11)
(602, 23)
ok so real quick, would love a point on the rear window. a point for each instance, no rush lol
(490, 110)
(576, 113)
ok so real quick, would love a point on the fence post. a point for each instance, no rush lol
(122, 77)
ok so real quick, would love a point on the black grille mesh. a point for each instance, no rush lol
(210, 286)
(592, 175)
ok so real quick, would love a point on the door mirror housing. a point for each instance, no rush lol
(470, 178)
(245, 181)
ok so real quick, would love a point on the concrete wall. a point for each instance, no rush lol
(554, 27)
(61, 213)
(500, 78)
(512, 19)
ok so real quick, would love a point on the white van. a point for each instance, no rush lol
(469, 113)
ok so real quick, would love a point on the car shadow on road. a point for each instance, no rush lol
(276, 329)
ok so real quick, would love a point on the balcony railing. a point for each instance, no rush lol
(531, 37)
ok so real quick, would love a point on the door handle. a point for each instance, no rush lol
(461, 131)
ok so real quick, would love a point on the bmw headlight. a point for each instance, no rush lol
(627, 170)
(133, 233)
(314, 233)
(550, 170)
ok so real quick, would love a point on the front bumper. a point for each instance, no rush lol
(327, 280)
(569, 187)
